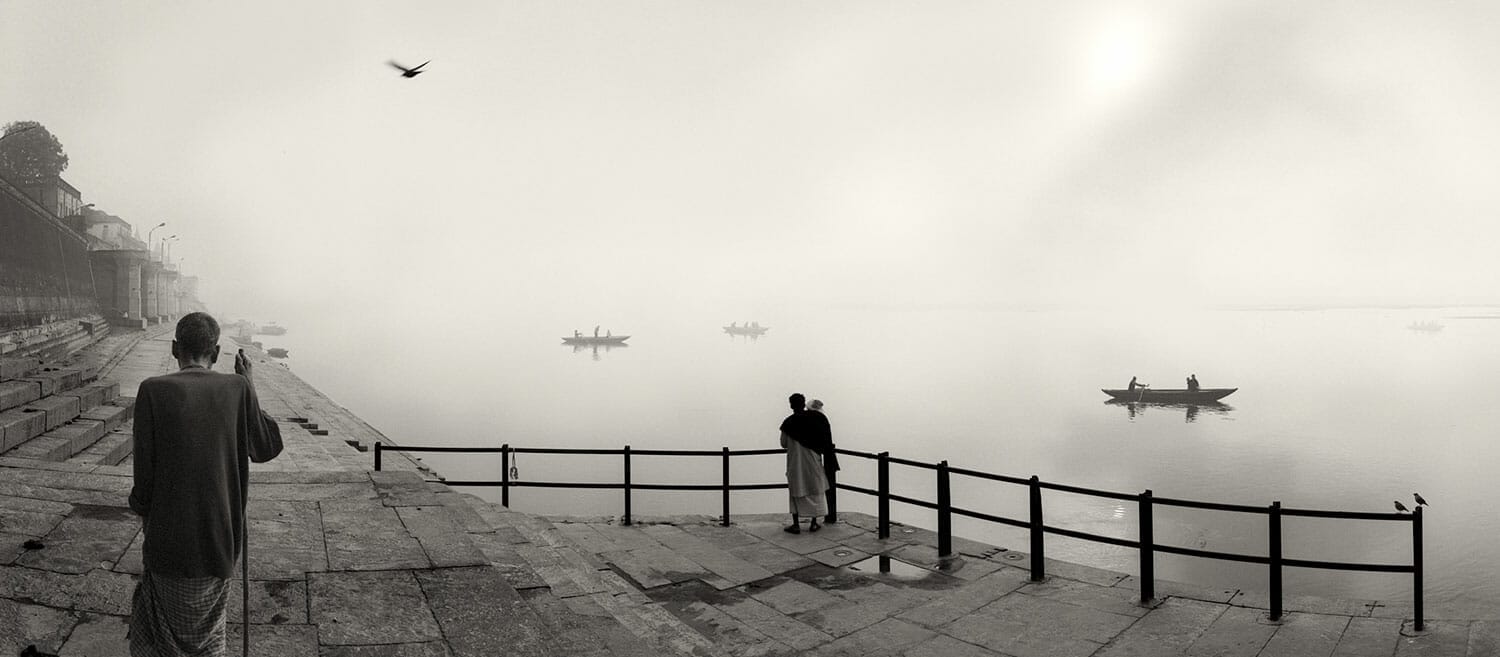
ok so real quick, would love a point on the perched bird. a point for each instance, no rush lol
(1400, 506)
(410, 72)
(1419, 499)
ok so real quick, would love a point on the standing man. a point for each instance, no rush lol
(805, 480)
(196, 431)
(824, 439)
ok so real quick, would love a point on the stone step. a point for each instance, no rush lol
(20, 425)
(14, 394)
(109, 450)
(56, 380)
(15, 368)
(60, 409)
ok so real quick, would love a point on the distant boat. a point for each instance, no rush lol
(1169, 395)
(746, 330)
(588, 339)
(271, 329)
(276, 352)
(1429, 327)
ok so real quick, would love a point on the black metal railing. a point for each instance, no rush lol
(1035, 523)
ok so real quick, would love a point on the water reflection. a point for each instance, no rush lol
(594, 349)
(1190, 411)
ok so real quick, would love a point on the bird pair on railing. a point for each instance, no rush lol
(1402, 507)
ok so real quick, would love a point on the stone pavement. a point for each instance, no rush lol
(348, 562)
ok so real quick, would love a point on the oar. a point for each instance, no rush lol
(1141, 395)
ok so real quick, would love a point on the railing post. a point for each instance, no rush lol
(377, 456)
(725, 520)
(945, 512)
(833, 489)
(1275, 560)
(883, 501)
(626, 521)
(1416, 562)
(1148, 550)
(505, 475)
(1038, 542)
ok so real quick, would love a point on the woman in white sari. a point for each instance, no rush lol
(805, 480)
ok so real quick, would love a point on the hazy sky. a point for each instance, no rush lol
(861, 152)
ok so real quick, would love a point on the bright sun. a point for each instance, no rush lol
(1118, 57)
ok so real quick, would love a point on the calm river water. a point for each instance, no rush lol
(1344, 409)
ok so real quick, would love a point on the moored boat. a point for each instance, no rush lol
(1169, 395)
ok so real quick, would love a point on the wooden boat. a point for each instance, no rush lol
(589, 339)
(276, 352)
(1169, 395)
(746, 330)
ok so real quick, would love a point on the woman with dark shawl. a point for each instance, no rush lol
(805, 442)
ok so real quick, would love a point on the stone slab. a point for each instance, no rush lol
(17, 393)
(1102, 598)
(78, 434)
(403, 488)
(286, 539)
(272, 602)
(69, 495)
(18, 426)
(15, 368)
(1024, 626)
(28, 522)
(790, 596)
(440, 537)
(1238, 632)
(362, 608)
(56, 380)
(98, 635)
(59, 409)
(888, 637)
(947, 646)
(87, 538)
(1167, 630)
(1302, 634)
(1439, 639)
(425, 649)
(42, 448)
(88, 396)
(966, 599)
(112, 416)
(364, 534)
(729, 569)
(274, 640)
(481, 615)
(23, 624)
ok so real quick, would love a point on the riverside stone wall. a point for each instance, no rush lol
(46, 280)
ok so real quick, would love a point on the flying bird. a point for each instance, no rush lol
(410, 72)
(1400, 506)
(1419, 499)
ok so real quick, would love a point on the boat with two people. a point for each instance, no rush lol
(752, 329)
(609, 338)
(1145, 394)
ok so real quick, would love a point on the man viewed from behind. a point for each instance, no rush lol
(195, 432)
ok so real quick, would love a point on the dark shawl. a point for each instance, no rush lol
(811, 430)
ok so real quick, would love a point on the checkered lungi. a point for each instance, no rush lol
(178, 617)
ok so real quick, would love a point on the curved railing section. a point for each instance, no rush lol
(1145, 545)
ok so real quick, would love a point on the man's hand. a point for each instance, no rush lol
(242, 366)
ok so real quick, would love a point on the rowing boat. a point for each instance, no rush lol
(1169, 395)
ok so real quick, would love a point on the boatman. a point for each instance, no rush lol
(1134, 385)
(1192, 383)
(195, 432)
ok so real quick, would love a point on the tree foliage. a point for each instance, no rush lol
(29, 153)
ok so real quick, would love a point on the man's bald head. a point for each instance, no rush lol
(197, 337)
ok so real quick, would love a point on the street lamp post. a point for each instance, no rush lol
(149, 234)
